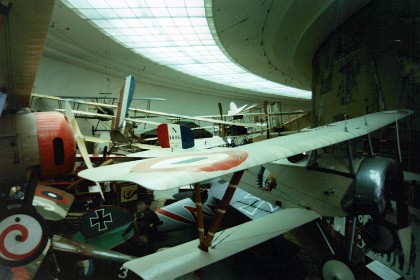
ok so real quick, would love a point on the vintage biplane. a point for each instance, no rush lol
(121, 117)
(34, 146)
(363, 190)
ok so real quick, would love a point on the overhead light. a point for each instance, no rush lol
(175, 33)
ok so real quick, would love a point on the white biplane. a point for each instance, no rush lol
(371, 177)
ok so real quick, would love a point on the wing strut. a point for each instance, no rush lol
(224, 204)
(199, 207)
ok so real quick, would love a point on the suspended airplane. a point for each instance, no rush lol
(141, 111)
(174, 171)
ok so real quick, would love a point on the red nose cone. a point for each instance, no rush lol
(57, 147)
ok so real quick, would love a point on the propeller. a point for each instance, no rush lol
(222, 126)
(78, 181)
(81, 144)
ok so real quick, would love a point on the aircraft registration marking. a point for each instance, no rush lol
(194, 162)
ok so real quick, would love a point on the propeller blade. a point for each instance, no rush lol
(222, 126)
(81, 144)
(62, 244)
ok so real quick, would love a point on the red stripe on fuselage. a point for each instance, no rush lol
(176, 217)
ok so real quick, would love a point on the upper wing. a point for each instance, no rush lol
(147, 112)
(179, 260)
(23, 32)
(110, 117)
(179, 116)
(178, 170)
(157, 151)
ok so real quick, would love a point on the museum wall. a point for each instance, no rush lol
(371, 63)
(62, 79)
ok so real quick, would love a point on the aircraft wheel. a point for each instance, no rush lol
(22, 237)
(380, 236)
(334, 268)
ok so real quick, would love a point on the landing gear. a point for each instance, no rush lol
(334, 268)
(380, 236)
(22, 236)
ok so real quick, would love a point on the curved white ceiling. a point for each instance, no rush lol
(179, 34)
(276, 40)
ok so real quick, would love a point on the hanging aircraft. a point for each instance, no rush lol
(141, 111)
(121, 131)
(362, 191)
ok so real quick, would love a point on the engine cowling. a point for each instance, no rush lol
(376, 177)
(57, 147)
(28, 139)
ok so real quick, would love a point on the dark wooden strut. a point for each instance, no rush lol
(199, 207)
(224, 204)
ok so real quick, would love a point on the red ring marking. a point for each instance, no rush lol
(25, 235)
(65, 200)
(233, 159)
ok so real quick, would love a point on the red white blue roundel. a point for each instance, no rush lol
(53, 204)
(193, 162)
(53, 194)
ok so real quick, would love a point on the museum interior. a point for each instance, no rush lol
(209, 139)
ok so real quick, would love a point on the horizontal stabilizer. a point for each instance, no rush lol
(182, 259)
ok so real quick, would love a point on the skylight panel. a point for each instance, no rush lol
(178, 34)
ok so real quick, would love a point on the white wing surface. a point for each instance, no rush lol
(147, 112)
(182, 259)
(183, 169)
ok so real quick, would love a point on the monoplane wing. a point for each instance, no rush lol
(178, 170)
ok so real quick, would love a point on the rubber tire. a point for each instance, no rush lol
(334, 267)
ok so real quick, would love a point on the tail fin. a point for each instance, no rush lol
(234, 109)
(126, 96)
(175, 136)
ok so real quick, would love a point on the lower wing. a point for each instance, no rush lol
(184, 258)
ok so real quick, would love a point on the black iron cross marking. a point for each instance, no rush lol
(101, 219)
